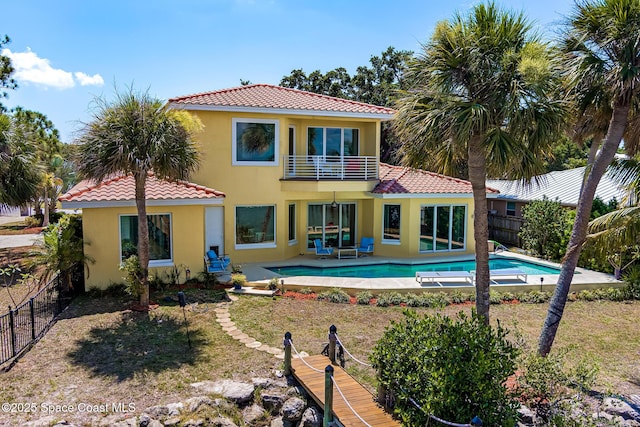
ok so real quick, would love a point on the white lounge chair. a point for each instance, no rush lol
(436, 276)
(505, 272)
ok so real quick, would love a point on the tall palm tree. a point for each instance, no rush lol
(136, 134)
(482, 94)
(603, 53)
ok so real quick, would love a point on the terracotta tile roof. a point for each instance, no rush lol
(404, 180)
(122, 188)
(262, 96)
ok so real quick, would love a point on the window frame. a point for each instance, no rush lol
(292, 224)
(507, 210)
(324, 140)
(234, 142)
(169, 262)
(241, 246)
(384, 217)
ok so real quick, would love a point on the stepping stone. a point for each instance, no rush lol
(241, 337)
(221, 310)
(227, 324)
(275, 351)
(254, 344)
(247, 340)
(223, 318)
(229, 329)
(264, 348)
(235, 332)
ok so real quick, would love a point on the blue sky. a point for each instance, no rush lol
(68, 52)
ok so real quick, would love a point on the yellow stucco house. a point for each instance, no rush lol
(280, 168)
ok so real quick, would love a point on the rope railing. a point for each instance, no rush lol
(349, 353)
(302, 359)
(347, 402)
(475, 422)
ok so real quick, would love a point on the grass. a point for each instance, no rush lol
(16, 292)
(604, 332)
(18, 227)
(99, 351)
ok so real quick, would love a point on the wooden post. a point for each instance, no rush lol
(328, 397)
(332, 343)
(287, 353)
(382, 392)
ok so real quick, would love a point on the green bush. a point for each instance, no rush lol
(364, 297)
(305, 291)
(455, 368)
(439, 300)
(632, 279)
(413, 300)
(238, 280)
(133, 276)
(457, 297)
(335, 295)
(535, 297)
(495, 297)
(382, 300)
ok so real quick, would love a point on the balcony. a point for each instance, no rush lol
(330, 168)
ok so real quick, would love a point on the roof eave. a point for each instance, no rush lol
(66, 204)
(289, 111)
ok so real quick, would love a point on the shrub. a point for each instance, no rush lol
(382, 300)
(273, 284)
(455, 367)
(535, 297)
(632, 279)
(364, 297)
(238, 280)
(305, 291)
(335, 295)
(438, 300)
(133, 276)
(457, 297)
(495, 297)
(413, 300)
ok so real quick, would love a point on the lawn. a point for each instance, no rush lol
(99, 351)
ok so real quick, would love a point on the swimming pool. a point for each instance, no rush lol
(392, 269)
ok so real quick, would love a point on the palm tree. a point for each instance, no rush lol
(602, 50)
(136, 134)
(482, 94)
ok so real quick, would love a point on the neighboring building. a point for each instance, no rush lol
(288, 167)
(563, 186)
(505, 210)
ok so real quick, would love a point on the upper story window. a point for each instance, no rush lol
(332, 141)
(255, 142)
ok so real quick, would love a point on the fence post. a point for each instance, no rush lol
(59, 288)
(12, 328)
(328, 396)
(382, 391)
(332, 343)
(287, 353)
(33, 319)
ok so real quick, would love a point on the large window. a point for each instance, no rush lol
(334, 226)
(391, 225)
(442, 228)
(255, 142)
(159, 238)
(332, 141)
(292, 222)
(255, 226)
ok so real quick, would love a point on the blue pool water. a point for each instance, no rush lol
(392, 269)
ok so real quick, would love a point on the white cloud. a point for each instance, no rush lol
(87, 80)
(30, 68)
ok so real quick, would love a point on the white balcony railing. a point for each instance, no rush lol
(331, 167)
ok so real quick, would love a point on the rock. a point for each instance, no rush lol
(527, 416)
(173, 421)
(236, 391)
(193, 423)
(222, 422)
(155, 423)
(130, 422)
(620, 408)
(43, 422)
(292, 409)
(272, 400)
(194, 403)
(277, 422)
(144, 420)
(297, 391)
(253, 413)
(158, 411)
(262, 382)
(312, 417)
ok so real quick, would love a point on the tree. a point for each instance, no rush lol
(543, 229)
(6, 69)
(482, 93)
(601, 46)
(40, 133)
(19, 178)
(136, 134)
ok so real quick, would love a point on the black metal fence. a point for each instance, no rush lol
(24, 324)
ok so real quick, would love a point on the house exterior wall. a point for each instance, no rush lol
(101, 230)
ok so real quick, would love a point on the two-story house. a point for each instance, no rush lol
(280, 168)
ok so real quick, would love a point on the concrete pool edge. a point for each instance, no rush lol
(259, 274)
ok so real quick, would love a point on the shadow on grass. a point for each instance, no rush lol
(138, 343)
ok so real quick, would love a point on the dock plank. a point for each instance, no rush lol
(359, 398)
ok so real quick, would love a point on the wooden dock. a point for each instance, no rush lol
(360, 399)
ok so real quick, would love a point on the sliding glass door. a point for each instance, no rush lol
(334, 226)
(442, 228)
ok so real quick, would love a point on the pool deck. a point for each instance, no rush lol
(257, 273)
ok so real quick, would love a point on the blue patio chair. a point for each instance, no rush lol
(366, 245)
(321, 250)
(216, 264)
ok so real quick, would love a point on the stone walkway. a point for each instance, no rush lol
(224, 320)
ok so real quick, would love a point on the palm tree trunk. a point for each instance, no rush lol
(616, 130)
(45, 219)
(477, 176)
(143, 236)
